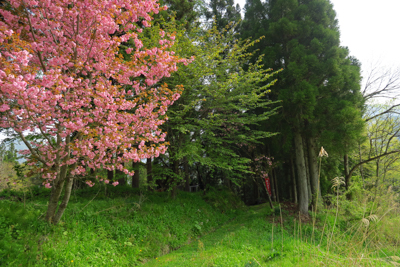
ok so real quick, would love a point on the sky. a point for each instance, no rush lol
(370, 29)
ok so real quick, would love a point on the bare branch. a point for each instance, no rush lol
(34, 38)
(370, 159)
(389, 110)
(382, 83)
(31, 149)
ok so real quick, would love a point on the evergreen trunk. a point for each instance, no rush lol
(313, 164)
(136, 175)
(346, 171)
(272, 185)
(149, 168)
(120, 176)
(175, 165)
(301, 174)
(110, 175)
(187, 174)
(276, 185)
(296, 200)
(307, 170)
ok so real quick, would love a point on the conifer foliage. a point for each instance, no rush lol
(319, 86)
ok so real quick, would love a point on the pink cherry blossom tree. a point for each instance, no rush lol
(63, 77)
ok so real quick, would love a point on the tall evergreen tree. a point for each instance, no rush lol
(319, 86)
(223, 13)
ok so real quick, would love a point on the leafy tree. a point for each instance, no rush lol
(214, 119)
(63, 79)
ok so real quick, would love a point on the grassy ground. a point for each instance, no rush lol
(254, 239)
(126, 228)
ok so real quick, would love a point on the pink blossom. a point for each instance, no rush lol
(64, 102)
(89, 183)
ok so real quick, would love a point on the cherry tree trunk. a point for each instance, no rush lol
(53, 215)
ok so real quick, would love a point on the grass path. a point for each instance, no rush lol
(245, 241)
(255, 239)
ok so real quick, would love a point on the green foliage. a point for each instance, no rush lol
(214, 117)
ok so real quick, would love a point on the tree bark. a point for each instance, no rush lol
(272, 181)
(64, 203)
(276, 185)
(268, 195)
(346, 171)
(313, 165)
(136, 175)
(347, 178)
(56, 191)
(121, 176)
(149, 168)
(361, 167)
(175, 166)
(301, 174)
(54, 197)
(305, 147)
(296, 200)
(110, 175)
(57, 188)
(377, 164)
(187, 174)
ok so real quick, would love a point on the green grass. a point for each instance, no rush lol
(121, 227)
(254, 239)
(118, 231)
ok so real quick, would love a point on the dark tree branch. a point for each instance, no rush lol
(368, 160)
(389, 110)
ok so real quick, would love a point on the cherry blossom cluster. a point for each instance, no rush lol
(62, 76)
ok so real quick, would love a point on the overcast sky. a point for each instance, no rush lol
(370, 29)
